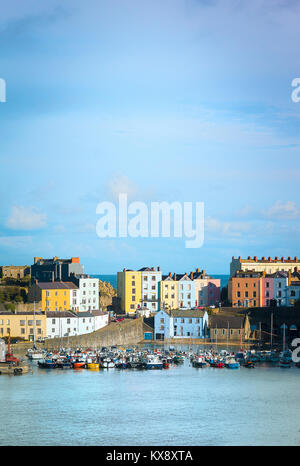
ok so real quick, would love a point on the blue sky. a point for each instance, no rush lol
(175, 100)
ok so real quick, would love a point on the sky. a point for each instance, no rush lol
(175, 101)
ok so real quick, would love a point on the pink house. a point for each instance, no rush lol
(207, 289)
(267, 290)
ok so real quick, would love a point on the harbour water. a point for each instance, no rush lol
(181, 405)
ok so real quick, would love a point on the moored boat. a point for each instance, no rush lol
(231, 363)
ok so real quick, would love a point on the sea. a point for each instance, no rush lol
(181, 405)
(112, 279)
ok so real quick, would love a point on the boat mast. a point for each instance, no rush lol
(34, 324)
(227, 335)
(271, 344)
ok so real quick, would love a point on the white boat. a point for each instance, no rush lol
(153, 362)
(107, 364)
(35, 354)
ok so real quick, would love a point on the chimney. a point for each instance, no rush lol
(295, 258)
(255, 258)
(153, 269)
(158, 269)
(269, 259)
(192, 276)
(233, 258)
(174, 277)
(170, 275)
(124, 270)
(197, 269)
(282, 259)
(289, 258)
(239, 257)
(276, 258)
(263, 258)
(249, 257)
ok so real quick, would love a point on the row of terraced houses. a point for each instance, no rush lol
(264, 282)
(149, 289)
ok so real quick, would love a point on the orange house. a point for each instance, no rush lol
(244, 289)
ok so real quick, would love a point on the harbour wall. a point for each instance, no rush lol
(127, 332)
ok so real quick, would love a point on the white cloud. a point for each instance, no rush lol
(119, 184)
(25, 218)
(283, 210)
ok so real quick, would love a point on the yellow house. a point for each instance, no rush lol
(168, 292)
(23, 324)
(54, 296)
(129, 286)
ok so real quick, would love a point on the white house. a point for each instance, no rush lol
(87, 294)
(61, 324)
(185, 323)
(150, 288)
(281, 288)
(66, 323)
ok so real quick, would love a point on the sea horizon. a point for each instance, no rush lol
(112, 278)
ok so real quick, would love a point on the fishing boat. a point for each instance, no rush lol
(79, 364)
(285, 363)
(231, 363)
(153, 362)
(63, 363)
(35, 354)
(249, 364)
(93, 365)
(121, 364)
(216, 362)
(178, 358)
(47, 363)
(199, 362)
(107, 364)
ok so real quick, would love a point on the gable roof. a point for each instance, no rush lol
(219, 321)
(185, 313)
(57, 286)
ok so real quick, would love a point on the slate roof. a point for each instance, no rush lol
(185, 313)
(217, 321)
(57, 285)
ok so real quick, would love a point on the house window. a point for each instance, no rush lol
(53, 321)
(22, 331)
(38, 322)
(268, 285)
(22, 322)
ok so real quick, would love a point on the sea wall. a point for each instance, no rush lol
(127, 332)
